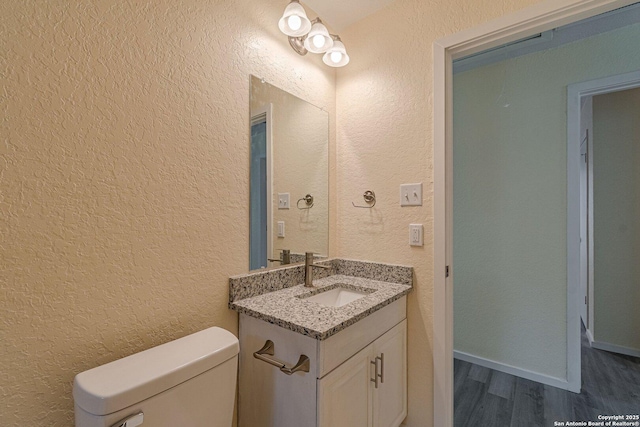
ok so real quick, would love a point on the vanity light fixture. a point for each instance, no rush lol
(311, 36)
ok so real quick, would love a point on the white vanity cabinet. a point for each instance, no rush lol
(369, 389)
(338, 389)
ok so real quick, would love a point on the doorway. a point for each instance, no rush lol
(580, 137)
(260, 230)
(535, 19)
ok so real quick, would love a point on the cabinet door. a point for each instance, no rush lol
(345, 395)
(390, 398)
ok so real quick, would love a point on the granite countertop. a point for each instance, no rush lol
(284, 307)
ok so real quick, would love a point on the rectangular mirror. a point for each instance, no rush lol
(289, 184)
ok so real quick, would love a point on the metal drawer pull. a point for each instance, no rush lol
(132, 421)
(269, 349)
(374, 380)
(377, 375)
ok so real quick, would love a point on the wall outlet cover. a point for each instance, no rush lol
(416, 237)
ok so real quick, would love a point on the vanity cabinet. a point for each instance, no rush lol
(369, 389)
(338, 389)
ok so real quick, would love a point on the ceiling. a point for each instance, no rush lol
(340, 14)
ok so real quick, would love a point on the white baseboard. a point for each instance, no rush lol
(590, 337)
(615, 348)
(508, 369)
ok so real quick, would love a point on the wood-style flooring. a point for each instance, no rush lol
(486, 398)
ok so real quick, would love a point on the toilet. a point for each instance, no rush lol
(187, 382)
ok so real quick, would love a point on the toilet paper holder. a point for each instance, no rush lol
(268, 349)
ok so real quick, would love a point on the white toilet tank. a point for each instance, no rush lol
(187, 382)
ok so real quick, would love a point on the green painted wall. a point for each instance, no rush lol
(510, 168)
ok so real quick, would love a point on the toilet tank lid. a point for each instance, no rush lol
(125, 382)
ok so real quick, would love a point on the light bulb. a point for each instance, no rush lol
(294, 22)
(336, 55)
(318, 40)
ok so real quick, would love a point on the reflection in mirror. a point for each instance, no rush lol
(289, 189)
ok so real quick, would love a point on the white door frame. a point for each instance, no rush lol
(575, 93)
(540, 17)
(586, 213)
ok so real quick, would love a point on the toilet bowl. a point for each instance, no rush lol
(187, 382)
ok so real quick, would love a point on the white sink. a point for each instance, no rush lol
(337, 297)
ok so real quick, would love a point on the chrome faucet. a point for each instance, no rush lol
(284, 259)
(286, 256)
(308, 269)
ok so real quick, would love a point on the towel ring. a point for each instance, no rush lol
(369, 197)
(308, 200)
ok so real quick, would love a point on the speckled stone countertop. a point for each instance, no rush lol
(284, 305)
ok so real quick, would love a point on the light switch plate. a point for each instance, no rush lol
(283, 200)
(416, 235)
(411, 194)
(280, 228)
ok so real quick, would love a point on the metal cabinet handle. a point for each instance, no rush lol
(377, 375)
(268, 349)
(374, 380)
(131, 421)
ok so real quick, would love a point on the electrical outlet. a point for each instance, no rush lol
(416, 235)
(283, 200)
(280, 228)
(411, 194)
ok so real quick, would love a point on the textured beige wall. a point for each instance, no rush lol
(510, 202)
(124, 178)
(616, 209)
(384, 138)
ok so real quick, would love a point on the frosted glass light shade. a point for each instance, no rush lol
(288, 24)
(337, 55)
(318, 40)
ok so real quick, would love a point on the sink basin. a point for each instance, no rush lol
(337, 297)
